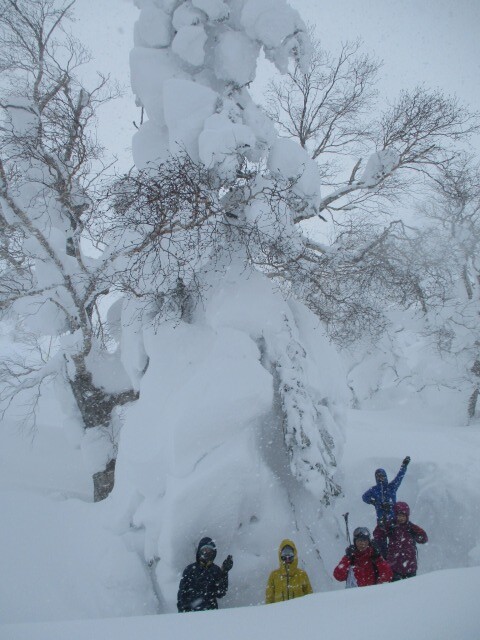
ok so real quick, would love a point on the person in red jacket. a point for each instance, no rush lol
(402, 537)
(364, 561)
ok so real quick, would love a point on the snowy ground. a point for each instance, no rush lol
(421, 609)
(60, 563)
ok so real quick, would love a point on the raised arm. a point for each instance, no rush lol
(396, 482)
(221, 583)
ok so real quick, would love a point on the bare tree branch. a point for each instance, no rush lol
(328, 108)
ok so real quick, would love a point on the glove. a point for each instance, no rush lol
(350, 553)
(227, 564)
(406, 461)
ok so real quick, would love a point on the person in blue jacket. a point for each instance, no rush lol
(383, 495)
(203, 581)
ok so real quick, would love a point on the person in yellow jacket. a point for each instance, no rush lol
(288, 581)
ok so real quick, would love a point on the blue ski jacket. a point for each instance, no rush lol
(383, 495)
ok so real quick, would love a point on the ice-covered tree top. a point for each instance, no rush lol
(191, 67)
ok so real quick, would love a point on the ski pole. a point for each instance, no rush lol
(345, 515)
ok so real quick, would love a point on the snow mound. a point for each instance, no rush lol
(439, 606)
(67, 565)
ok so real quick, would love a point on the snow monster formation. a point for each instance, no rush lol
(237, 433)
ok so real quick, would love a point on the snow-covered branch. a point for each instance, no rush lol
(328, 109)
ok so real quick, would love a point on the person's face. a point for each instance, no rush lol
(401, 518)
(361, 544)
(287, 555)
(206, 555)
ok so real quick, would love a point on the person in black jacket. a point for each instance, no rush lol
(203, 581)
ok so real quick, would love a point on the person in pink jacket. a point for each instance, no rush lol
(402, 537)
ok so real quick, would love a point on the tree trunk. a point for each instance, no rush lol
(472, 403)
(96, 406)
(103, 482)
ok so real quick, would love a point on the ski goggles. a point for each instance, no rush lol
(287, 555)
(361, 533)
(207, 552)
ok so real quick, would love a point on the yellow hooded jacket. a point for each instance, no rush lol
(288, 581)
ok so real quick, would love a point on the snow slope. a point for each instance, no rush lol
(58, 559)
(438, 606)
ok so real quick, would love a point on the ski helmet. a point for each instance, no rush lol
(361, 533)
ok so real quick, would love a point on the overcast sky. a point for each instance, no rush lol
(436, 42)
(431, 42)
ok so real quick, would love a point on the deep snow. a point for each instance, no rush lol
(421, 609)
(64, 559)
(60, 561)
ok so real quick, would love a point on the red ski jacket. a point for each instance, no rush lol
(402, 546)
(368, 567)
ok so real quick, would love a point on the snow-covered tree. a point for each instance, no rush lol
(236, 432)
(430, 355)
(454, 210)
(331, 108)
(53, 270)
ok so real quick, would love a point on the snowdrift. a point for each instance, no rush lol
(438, 606)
